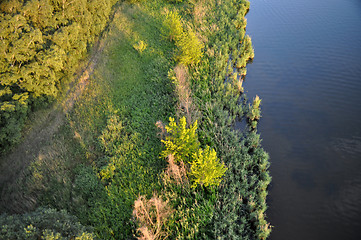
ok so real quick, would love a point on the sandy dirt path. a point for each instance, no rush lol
(14, 164)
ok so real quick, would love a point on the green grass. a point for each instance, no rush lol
(133, 88)
(107, 153)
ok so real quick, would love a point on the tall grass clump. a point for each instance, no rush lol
(172, 26)
(189, 48)
(43, 223)
(254, 113)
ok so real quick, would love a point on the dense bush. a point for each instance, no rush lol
(41, 42)
(13, 110)
(193, 212)
(206, 170)
(189, 47)
(172, 26)
(181, 142)
(192, 207)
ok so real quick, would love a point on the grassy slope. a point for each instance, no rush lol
(129, 91)
(127, 85)
(133, 88)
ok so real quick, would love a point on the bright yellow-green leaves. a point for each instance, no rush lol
(172, 26)
(206, 170)
(182, 142)
(140, 46)
(189, 46)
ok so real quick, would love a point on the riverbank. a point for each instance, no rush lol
(108, 152)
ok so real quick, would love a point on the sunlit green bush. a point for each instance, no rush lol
(189, 48)
(181, 141)
(172, 26)
(206, 169)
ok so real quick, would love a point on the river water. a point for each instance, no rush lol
(307, 70)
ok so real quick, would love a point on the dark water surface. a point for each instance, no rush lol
(307, 70)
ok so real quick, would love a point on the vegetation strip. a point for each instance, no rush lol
(236, 210)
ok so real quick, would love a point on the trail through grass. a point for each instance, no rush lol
(129, 92)
(71, 167)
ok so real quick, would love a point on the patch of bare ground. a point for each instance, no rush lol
(184, 94)
(42, 145)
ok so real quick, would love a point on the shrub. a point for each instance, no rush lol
(193, 211)
(206, 170)
(13, 111)
(175, 1)
(172, 26)
(113, 135)
(181, 142)
(189, 48)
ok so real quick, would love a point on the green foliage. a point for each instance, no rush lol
(88, 191)
(193, 211)
(49, 235)
(140, 46)
(134, 92)
(188, 45)
(42, 224)
(206, 170)
(239, 210)
(181, 142)
(254, 112)
(134, 1)
(175, 1)
(172, 26)
(85, 236)
(193, 206)
(113, 135)
(41, 47)
(190, 48)
(128, 159)
(13, 111)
